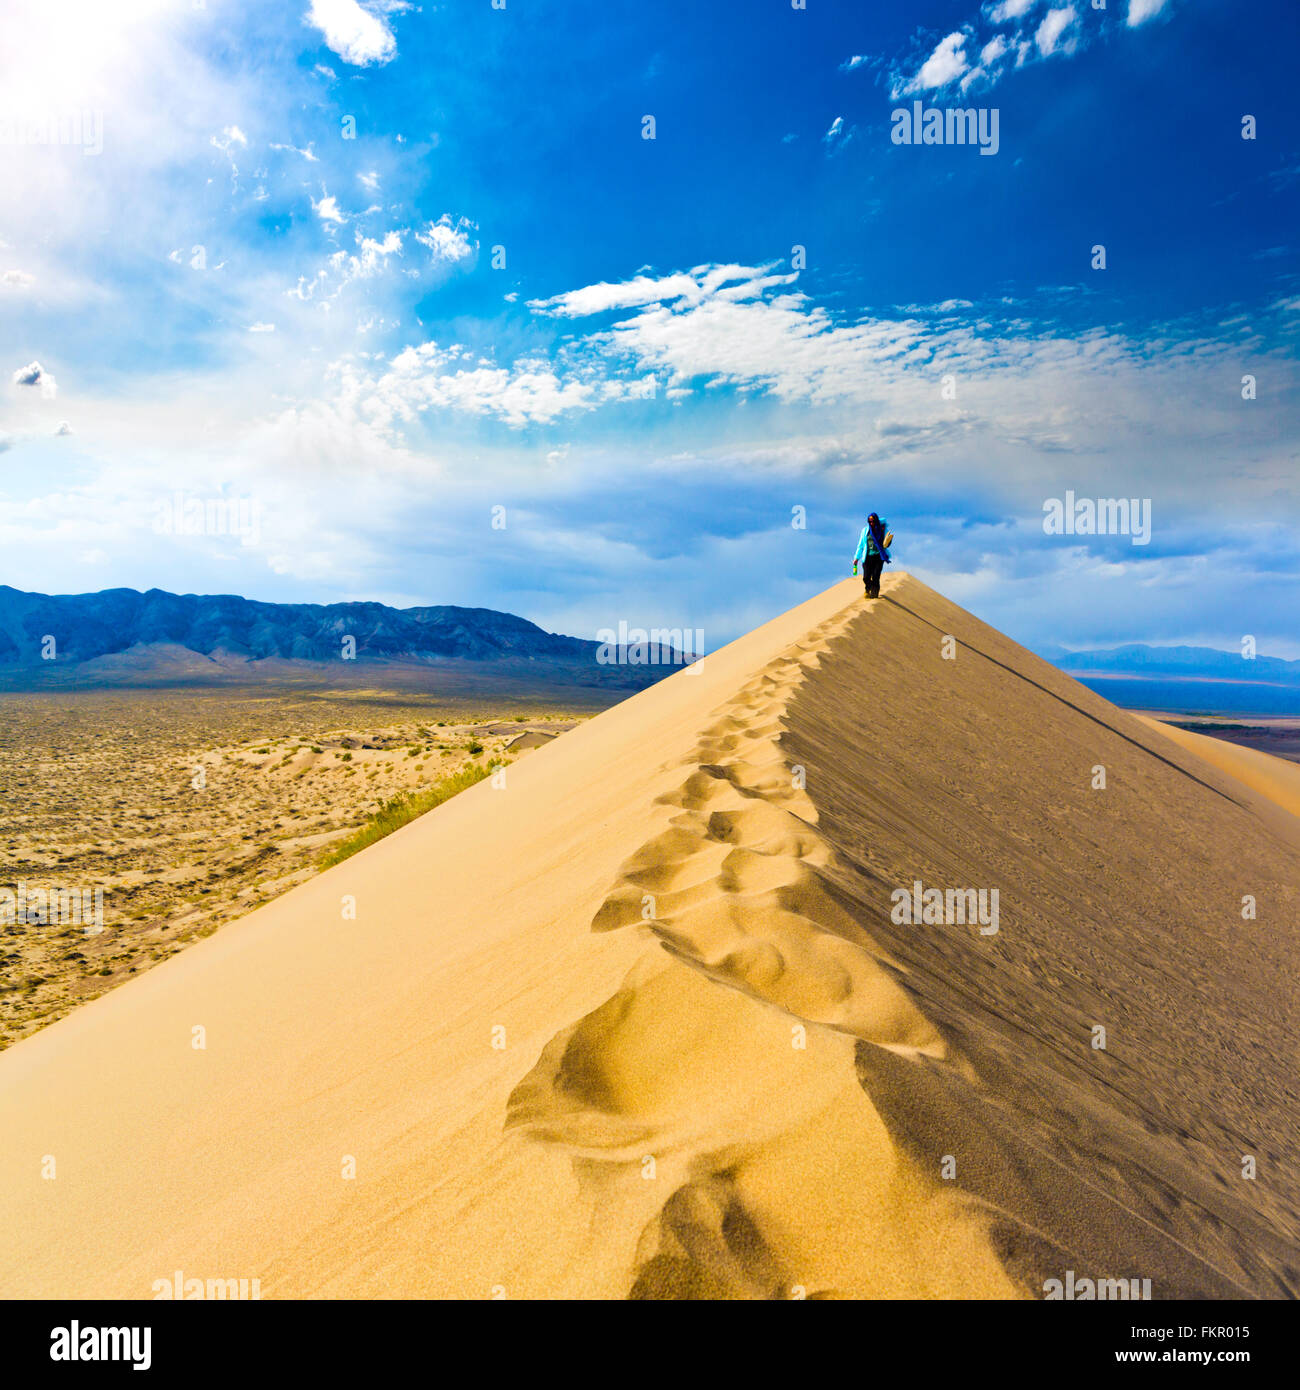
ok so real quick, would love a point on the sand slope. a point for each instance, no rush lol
(1272, 779)
(640, 1023)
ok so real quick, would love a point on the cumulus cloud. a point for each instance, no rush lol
(16, 280)
(371, 256)
(1009, 9)
(447, 240)
(230, 137)
(357, 35)
(993, 51)
(261, 328)
(750, 330)
(33, 374)
(430, 376)
(946, 64)
(327, 209)
(1050, 34)
(690, 286)
(1000, 38)
(1139, 11)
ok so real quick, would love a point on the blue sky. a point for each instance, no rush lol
(279, 283)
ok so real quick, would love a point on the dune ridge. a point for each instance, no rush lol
(740, 886)
(730, 889)
(641, 1024)
(1122, 906)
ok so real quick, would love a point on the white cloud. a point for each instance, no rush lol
(327, 209)
(369, 181)
(1031, 33)
(837, 125)
(694, 287)
(63, 429)
(355, 34)
(1139, 11)
(944, 65)
(33, 374)
(1050, 31)
(371, 258)
(855, 62)
(16, 280)
(261, 328)
(447, 240)
(993, 50)
(600, 298)
(1009, 9)
(430, 376)
(750, 330)
(230, 137)
(308, 154)
(944, 306)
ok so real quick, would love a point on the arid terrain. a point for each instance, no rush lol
(188, 808)
(1279, 737)
(772, 981)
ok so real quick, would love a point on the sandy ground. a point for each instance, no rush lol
(168, 813)
(1272, 778)
(644, 1022)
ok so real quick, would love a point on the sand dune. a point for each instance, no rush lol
(641, 1022)
(1273, 779)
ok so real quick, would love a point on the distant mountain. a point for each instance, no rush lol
(1177, 663)
(123, 636)
(1186, 680)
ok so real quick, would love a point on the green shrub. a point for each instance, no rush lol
(400, 810)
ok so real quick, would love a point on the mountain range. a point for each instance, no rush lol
(125, 637)
(1176, 663)
(122, 636)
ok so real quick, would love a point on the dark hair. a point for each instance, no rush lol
(873, 517)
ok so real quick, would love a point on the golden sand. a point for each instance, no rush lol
(642, 1021)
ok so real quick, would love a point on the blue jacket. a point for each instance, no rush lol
(866, 546)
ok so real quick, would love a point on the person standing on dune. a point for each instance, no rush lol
(873, 551)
